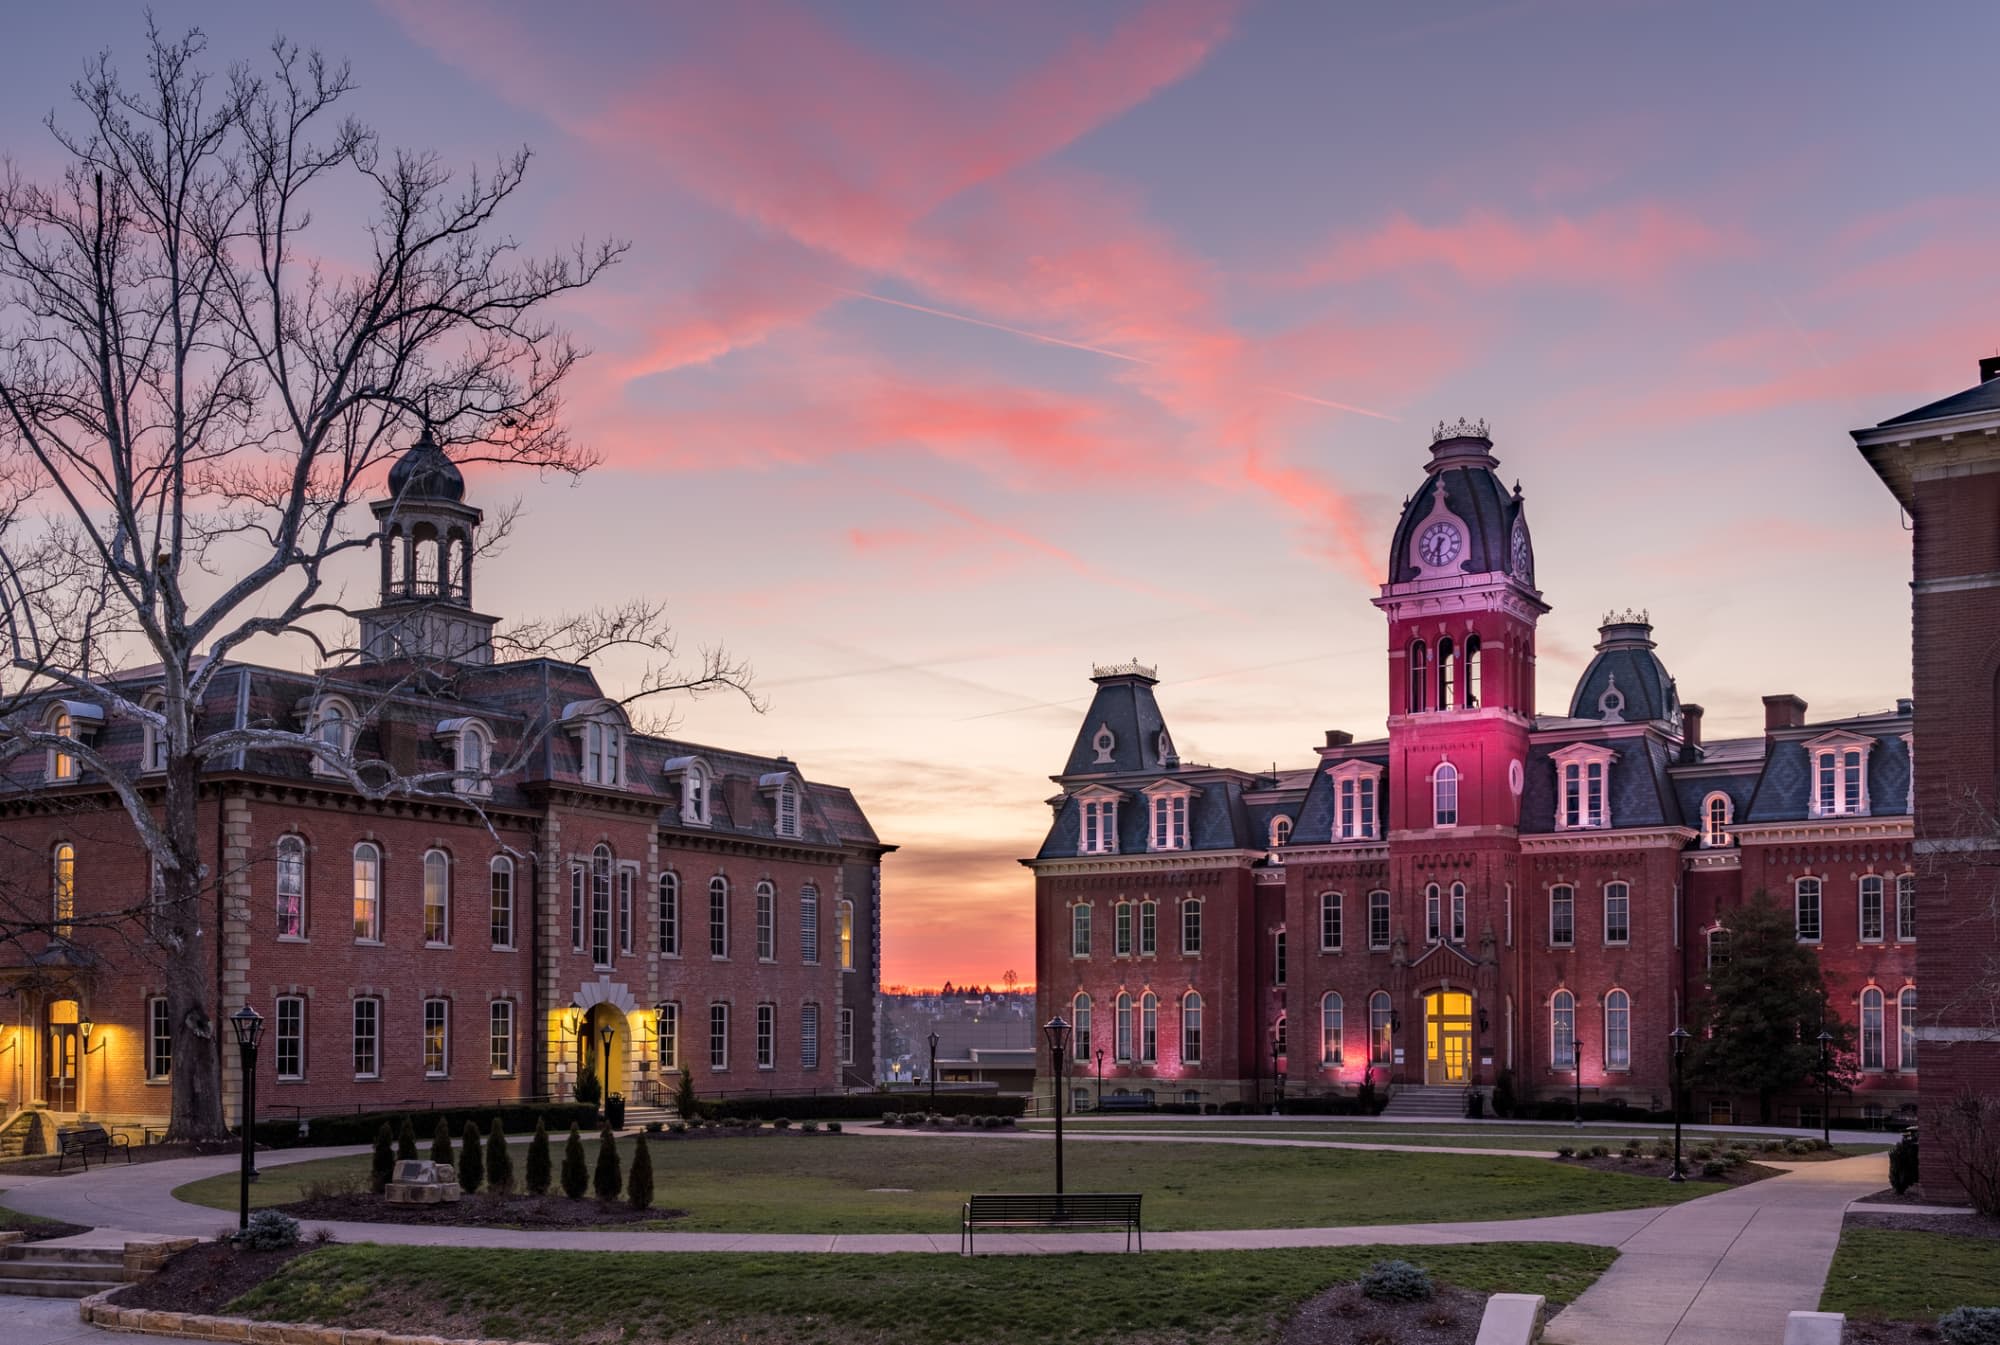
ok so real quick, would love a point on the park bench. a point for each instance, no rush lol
(1085, 1210)
(1129, 1102)
(80, 1140)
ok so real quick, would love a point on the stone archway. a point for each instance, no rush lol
(606, 1006)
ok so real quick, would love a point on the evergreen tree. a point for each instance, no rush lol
(384, 1165)
(575, 1172)
(406, 1142)
(609, 1180)
(441, 1150)
(500, 1161)
(540, 1170)
(639, 1186)
(1757, 1029)
(471, 1158)
(685, 1101)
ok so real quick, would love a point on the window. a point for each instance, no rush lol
(600, 906)
(1121, 929)
(1170, 821)
(603, 753)
(1378, 920)
(1562, 1031)
(437, 898)
(767, 923)
(159, 1039)
(670, 914)
(1871, 1029)
(847, 1036)
(500, 901)
(1280, 1038)
(1444, 795)
(844, 933)
(1329, 922)
(1808, 909)
(1472, 672)
(1562, 915)
(1381, 1028)
(367, 1038)
(1079, 930)
(473, 747)
(1458, 912)
(1906, 1030)
(767, 1046)
(1906, 906)
(1354, 807)
(1100, 827)
(1419, 676)
(667, 1022)
(1718, 947)
(579, 902)
(1433, 914)
(1123, 1045)
(788, 809)
(334, 726)
(500, 1038)
(288, 1035)
(1191, 1028)
(1581, 773)
(291, 875)
(809, 1036)
(694, 791)
(627, 878)
(437, 1038)
(62, 766)
(1716, 812)
(62, 889)
(1447, 661)
(1281, 830)
(1191, 927)
(1618, 1030)
(1278, 958)
(1839, 781)
(718, 1036)
(1871, 909)
(367, 893)
(809, 924)
(1617, 913)
(1079, 1012)
(153, 738)
(1330, 1049)
(1149, 1028)
(158, 916)
(1149, 928)
(718, 917)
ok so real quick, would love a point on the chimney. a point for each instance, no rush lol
(1989, 368)
(1905, 706)
(1784, 711)
(1690, 731)
(1338, 737)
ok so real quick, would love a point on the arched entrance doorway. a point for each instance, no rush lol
(605, 1044)
(1447, 1037)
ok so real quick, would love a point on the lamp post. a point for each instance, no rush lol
(1679, 1037)
(604, 1035)
(83, 1068)
(1100, 1078)
(1277, 1079)
(1825, 1088)
(934, 1042)
(1576, 1045)
(249, 1027)
(1057, 1030)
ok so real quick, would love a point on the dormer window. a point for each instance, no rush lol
(1717, 811)
(1168, 813)
(783, 789)
(1839, 775)
(61, 723)
(1102, 742)
(471, 744)
(153, 738)
(697, 783)
(599, 727)
(1583, 773)
(335, 726)
(1281, 830)
(1356, 793)
(1098, 823)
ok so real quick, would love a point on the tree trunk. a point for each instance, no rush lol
(184, 933)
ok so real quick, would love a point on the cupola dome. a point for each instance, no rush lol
(1462, 520)
(1626, 680)
(425, 473)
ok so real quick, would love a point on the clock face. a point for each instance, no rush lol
(1439, 545)
(1524, 561)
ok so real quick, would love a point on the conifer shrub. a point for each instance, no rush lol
(575, 1172)
(499, 1161)
(639, 1186)
(608, 1180)
(406, 1142)
(1970, 1326)
(383, 1165)
(471, 1159)
(539, 1170)
(441, 1149)
(1397, 1282)
(1903, 1165)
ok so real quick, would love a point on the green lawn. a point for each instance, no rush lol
(1466, 1136)
(637, 1298)
(1899, 1275)
(829, 1184)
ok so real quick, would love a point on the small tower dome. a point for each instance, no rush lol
(1626, 681)
(425, 473)
(1462, 520)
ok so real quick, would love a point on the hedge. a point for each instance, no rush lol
(840, 1107)
(359, 1127)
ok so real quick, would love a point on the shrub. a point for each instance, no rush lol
(516, 1118)
(838, 1106)
(654, 1127)
(1565, 1151)
(833, 1127)
(810, 1127)
(1703, 1151)
(471, 1159)
(1800, 1147)
(538, 1172)
(1597, 1151)
(328, 1188)
(383, 1165)
(441, 1150)
(782, 1123)
(1503, 1094)
(1397, 1282)
(406, 1142)
(609, 1180)
(639, 1187)
(677, 1127)
(1970, 1326)
(1903, 1165)
(575, 1172)
(268, 1231)
(685, 1101)
(499, 1161)
(1714, 1168)
(962, 1118)
(587, 1090)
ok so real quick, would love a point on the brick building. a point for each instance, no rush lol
(1488, 887)
(560, 876)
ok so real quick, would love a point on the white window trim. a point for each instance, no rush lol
(152, 741)
(778, 787)
(1837, 746)
(1605, 1031)
(579, 718)
(494, 867)
(1366, 777)
(1570, 942)
(513, 1043)
(1881, 1064)
(1716, 836)
(1580, 757)
(1610, 942)
(277, 1017)
(1105, 803)
(1896, 915)
(1819, 891)
(444, 1071)
(1087, 926)
(696, 781)
(424, 875)
(1457, 794)
(464, 734)
(1885, 913)
(348, 735)
(278, 887)
(1164, 798)
(1335, 902)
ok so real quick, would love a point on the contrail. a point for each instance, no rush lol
(1048, 340)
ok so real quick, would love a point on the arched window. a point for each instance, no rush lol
(1331, 1051)
(1617, 1030)
(603, 752)
(1122, 1047)
(1433, 914)
(1871, 1029)
(1562, 1030)
(367, 893)
(291, 884)
(670, 913)
(1444, 795)
(1447, 659)
(718, 916)
(1330, 932)
(1717, 810)
(1149, 1027)
(1381, 1028)
(500, 901)
(1079, 1012)
(788, 809)
(767, 922)
(1472, 672)
(1191, 1028)
(1281, 830)
(1617, 912)
(694, 795)
(1458, 912)
(1420, 676)
(334, 725)
(1281, 1039)
(62, 889)
(845, 933)
(437, 898)
(1906, 1030)
(62, 764)
(153, 738)
(475, 760)
(1718, 946)
(600, 906)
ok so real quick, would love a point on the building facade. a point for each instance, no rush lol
(561, 893)
(1487, 887)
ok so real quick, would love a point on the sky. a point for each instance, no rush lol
(960, 346)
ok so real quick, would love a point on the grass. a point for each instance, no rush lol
(829, 1185)
(1469, 1135)
(1898, 1274)
(1215, 1298)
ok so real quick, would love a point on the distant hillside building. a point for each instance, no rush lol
(1489, 887)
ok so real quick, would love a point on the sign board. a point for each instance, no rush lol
(1399, 1055)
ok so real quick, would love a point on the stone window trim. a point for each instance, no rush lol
(365, 1020)
(440, 1067)
(1562, 915)
(368, 891)
(1583, 795)
(1871, 892)
(290, 872)
(471, 744)
(1563, 1058)
(1169, 809)
(1281, 831)
(695, 779)
(718, 918)
(288, 1019)
(152, 740)
(1871, 1030)
(1097, 820)
(1617, 913)
(1906, 1029)
(1433, 913)
(1837, 784)
(767, 921)
(1191, 928)
(1191, 1027)
(787, 795)
(601, 728)
(1081, 932)
(1332, 922)
(1332, 1030)
(334, 722)
(1379, 925)
(1616, 1031)
(438, 860)
(1444, 795)
(1357, 800)
(500, 1048)
(159, 1040)
(502, 911)
(1906, 906)
(667, 915)
(1809, 907)
(1718, 813)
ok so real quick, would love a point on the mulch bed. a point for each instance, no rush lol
(205, 1277)
(44, 1164)
(1343, 1315)
(1890, 1333)
(1741, 1175)
(1963, 1225)
(722, 1130)
(483, 1209)
(41, 1230)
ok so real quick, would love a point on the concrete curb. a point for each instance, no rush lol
(98, 1310)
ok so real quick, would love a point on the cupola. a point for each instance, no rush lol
(1626, 682)
(427, 534)
(1462, 520)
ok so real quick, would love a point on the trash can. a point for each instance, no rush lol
(1475, 1105)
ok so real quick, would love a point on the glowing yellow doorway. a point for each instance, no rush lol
(1447, 1037)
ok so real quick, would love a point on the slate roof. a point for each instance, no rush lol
(1473, 492)
(1123, 704)
(1984, 397)
(1626, 667)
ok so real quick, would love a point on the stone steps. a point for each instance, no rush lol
(1427, 1103)
(38, 1271)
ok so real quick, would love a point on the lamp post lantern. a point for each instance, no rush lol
(1057, 1030)
(1825, 1088)
(1679, 1037)
(249, 1028)
(1576, 1045)
(1100, 1078)
(934, 1042)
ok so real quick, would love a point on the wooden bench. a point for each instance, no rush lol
(1085, 1210)
(80, 1140)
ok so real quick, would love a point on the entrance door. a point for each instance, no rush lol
(1447, 1037)
(63, 1041)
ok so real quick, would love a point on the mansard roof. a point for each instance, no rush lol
(1638, 792)
(1983, 397)
(1626, 679)
(1124, 717)
(1462, 472)
(1218, 819)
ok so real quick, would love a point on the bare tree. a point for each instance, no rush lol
(193, 403)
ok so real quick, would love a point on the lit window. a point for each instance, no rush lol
(62, 890)
(1330, 1014)
(1872, 925)
(1149, 1028)
(767, 1031)
(1191, 1028)
(1444, 795)
(437, 1038)
(288, 1035)
(1716, 813)
(579, 904)
(1100, 827)
(1123, 1052)
(1472, 672)
(62, 764)
(500, 1038)
(1562, 915)
(437, 898)
(1807, 891)
(1906, 906)
(367, 893)
(670, 914)
(1617, 1030)
(367, 1038)
(1381, 1028)
(159, 1039)
(1329, 922)
(1190, 927)
(1562, 1029)
(1906, 1030)
(718, 1036)
(667, 1021)
(767, 923)
(1871, 1029)
(600, 906)
(718, 917)
(809, 1036)
(845, 934)
(1447, 661)
(628, 878)
(809, 924)
(500, 901)
(1617, 913)
(291, 876)
(1079, 930)
(1378, 920)
(1458, 912)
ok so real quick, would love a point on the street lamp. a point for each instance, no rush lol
(1679, 1037)
(83, 1068)
(1057, 1030)
(1576, 1045)
(249, 1027)
(604, 1063)
(1100, 1078)
(1277, 1081)
(1825, 1088)
(934, 1042)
